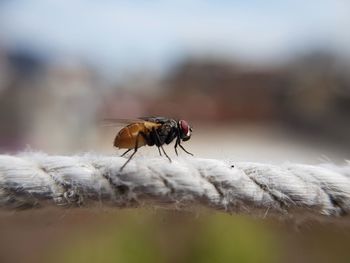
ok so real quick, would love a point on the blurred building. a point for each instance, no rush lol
(45, 104)
(57, 104)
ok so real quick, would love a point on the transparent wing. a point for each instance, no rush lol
(117, 122)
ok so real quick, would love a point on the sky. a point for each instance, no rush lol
(137, 34)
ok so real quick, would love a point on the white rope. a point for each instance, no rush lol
(36, 179)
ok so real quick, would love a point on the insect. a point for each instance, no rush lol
(152, 131)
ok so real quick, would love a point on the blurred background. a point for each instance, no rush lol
(258, 80)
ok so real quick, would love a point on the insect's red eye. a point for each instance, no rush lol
(185, 128)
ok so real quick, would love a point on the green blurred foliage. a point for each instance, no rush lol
(106, 234)
(145, 236)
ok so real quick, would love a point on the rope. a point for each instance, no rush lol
(36, 179)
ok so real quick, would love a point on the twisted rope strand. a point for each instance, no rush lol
(36, 179)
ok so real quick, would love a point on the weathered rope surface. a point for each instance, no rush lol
(35, 179)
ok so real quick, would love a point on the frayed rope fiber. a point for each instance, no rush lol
(36, 179)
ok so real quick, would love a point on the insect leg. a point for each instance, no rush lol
(176, 144)
(160, 145)
(160, 153)
(135, 150)
(185, 149)
(125, 152)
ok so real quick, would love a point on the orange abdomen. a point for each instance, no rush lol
(126, 137)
